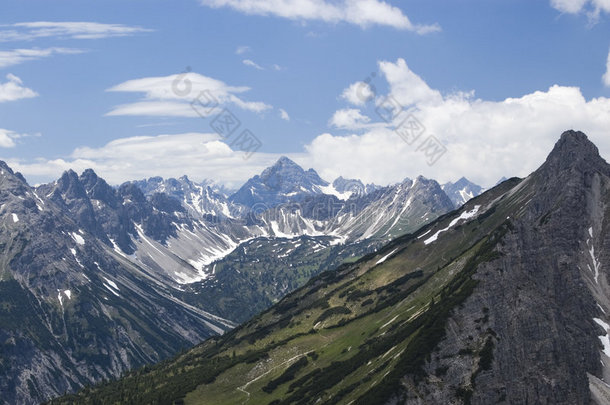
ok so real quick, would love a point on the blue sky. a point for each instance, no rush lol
(89, 84)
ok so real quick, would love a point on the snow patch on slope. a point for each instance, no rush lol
(605, 339)
(464, 215)
(77, 238)
(384, 258)
(596, 263)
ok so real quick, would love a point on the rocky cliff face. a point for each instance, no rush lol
(73, 311)
(536, 303)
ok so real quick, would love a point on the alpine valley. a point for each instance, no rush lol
(503, 301)
(97, 280)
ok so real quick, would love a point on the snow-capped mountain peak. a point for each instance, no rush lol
(461, 191)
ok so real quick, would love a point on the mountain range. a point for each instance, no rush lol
(502, 301)
(97, 280)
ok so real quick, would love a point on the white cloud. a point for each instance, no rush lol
(606, 77)
(253, 64)
(569, 6)
(16, 56)
(28, 31)
(8, 138)
(358, 93)
(407, 87)
(349, 118)
(197, 155)
(364, 13)
(593, 8)
(242, 49)
(154, 109)
(13, 90)
(5, 140)
(485, 140)
(171, 96)
(284, 115)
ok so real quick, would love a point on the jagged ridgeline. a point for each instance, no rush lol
(501, 301)
(97, 280)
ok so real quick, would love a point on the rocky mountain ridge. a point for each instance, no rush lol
(502, 301)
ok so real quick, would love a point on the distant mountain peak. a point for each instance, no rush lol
(502, 180)
(89, 173)
(70, 185)
(6, 168)
(461, 191)
(283, 164)
(284, 181)
(284, 160)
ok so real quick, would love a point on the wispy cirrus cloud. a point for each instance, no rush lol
(251, 63)
(8, 138)
(173, 95)
(240, 50)
(364, 13)
(28, 31)
(17, 56)
(13, 89)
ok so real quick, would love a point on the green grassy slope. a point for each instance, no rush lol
(346, 337)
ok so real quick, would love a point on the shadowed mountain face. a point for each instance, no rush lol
(502, 301)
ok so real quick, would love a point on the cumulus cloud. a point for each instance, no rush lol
(506, 138)
(182, 95)
(358, 93)
(253, 64)
(17, 56)
(13, 90)
(364, 13)
(407, 87)
(27, 31)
